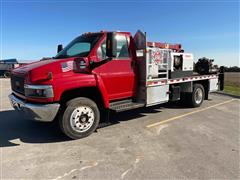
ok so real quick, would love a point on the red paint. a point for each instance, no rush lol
(114, 80)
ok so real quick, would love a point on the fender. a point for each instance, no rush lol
(91, 81)
(102, 89)
(62, 84)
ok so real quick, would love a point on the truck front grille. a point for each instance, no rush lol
(17, 83)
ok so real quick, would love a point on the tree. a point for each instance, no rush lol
(232, 69)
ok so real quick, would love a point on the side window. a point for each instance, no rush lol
(122, 47)
(101, 51)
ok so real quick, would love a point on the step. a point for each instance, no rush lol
(125, 105)
(120, 102)
(163, 73)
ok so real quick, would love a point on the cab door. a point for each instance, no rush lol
(118, 74)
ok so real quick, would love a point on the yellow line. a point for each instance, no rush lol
(184, 115)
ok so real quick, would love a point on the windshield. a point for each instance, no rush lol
(80, 47)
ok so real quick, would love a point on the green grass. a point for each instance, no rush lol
(231, 89)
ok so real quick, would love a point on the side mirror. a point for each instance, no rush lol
(111, 45)
(81, 65)
(59, 48)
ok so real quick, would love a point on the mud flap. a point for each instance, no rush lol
(221, 78)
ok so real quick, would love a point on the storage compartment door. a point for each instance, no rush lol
(213, 85)
(157, 94)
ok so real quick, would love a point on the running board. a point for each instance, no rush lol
(125, 105)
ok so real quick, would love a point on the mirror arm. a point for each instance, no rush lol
(97, 64)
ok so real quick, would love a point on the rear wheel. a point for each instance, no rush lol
(196, 98)
(80, 118)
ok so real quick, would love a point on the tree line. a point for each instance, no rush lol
(228, 69)
(232, 69)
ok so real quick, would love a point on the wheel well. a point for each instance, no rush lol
(205, 84)
(89, 92)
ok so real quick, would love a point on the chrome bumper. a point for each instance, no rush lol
(37, 112)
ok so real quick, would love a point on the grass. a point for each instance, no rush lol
(232, 89)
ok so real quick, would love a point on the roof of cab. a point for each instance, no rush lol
(104, 31)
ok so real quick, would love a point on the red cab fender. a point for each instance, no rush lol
(102, 90)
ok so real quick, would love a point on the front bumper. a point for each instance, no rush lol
(37, 112)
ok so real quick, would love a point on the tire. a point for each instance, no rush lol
(7, 74)
(195, 99)
(80, 118)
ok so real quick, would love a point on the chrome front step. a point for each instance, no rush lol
(125, 105)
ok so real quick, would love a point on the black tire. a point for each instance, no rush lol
(67, 120)
(7, 74)
(195, 100)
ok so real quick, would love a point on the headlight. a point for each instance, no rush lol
(38, 91)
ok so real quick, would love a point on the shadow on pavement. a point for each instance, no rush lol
(179, 105)
(13, 126)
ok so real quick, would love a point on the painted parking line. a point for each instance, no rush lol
(187, 114)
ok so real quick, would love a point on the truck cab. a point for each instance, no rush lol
(82, 68)
(98, 72)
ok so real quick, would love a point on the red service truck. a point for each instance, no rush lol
(108, 71)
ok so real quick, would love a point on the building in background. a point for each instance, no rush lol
(6, 65)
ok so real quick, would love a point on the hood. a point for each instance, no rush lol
(41, 70)
(28, 67)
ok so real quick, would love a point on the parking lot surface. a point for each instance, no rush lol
(166, 141)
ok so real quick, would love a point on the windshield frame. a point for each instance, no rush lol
(96, 38)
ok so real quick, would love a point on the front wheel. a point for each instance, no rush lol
(80, 118)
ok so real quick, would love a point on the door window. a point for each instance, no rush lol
(101, 51)
(122, 47)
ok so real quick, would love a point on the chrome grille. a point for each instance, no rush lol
(17, 83)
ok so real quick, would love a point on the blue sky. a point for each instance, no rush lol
(32, 29)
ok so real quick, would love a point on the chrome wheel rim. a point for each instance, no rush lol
(198, 96)
(82, 119)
